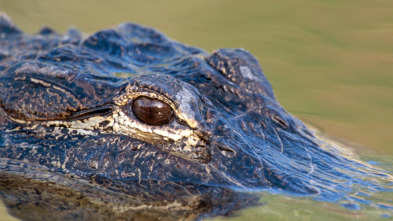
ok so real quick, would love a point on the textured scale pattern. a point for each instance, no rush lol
(65, 119)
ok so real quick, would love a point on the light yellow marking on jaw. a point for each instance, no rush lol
(64, 164)
(19, 121)
(37, 81)
(122, 124)
(60, 89)
(191, 142)
(90, 123)
(87, 124)
(125, 125)
(174, 206)
(23, 78)
(139, 175)
(116, 126)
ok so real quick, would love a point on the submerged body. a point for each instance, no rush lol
(142, 123)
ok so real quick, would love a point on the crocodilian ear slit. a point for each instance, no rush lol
(243, 69)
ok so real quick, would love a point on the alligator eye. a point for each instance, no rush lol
(152, 111)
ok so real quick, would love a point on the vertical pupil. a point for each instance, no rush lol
(152, 111)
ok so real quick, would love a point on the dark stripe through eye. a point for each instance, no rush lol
(84, 114)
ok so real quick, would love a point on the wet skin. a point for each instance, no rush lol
(130, 107)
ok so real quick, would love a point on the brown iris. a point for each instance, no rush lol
(152, 111)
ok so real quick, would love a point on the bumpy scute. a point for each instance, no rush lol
(67, 128)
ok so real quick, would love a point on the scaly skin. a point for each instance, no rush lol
(69, 130)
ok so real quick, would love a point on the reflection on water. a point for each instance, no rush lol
(330, 63)
(70, 198)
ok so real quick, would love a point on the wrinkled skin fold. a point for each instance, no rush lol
(67, 115)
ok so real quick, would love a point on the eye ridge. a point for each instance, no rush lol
(152, 111)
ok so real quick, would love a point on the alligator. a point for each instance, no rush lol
(129, 124)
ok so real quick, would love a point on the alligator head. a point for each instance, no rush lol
(129, 105)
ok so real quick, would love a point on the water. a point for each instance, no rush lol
(330, 64)
(361, 204)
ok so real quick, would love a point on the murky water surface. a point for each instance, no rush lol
(330, 64)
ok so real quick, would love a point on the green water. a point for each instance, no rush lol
(330, 63)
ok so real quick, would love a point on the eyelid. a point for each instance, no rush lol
(126, 98)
